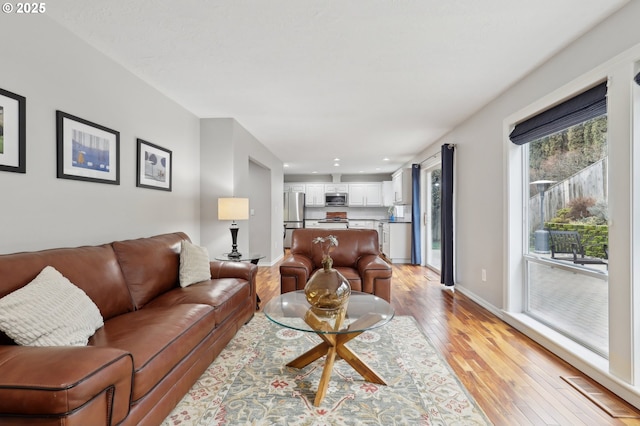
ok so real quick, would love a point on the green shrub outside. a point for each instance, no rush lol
(593, 237)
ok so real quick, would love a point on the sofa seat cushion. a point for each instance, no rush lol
(157, 338)
(225, 295)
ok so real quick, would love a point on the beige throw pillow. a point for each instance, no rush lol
(49, 311)
(194, 264)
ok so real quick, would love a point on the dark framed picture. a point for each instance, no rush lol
(153, 168)
(87, 151)
(13, 130)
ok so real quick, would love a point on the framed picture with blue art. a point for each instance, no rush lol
(87, 151)
(154, 166)
(12, 132)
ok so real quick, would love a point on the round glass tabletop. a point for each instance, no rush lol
(362, 312)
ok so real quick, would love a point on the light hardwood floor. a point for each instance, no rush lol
(513, 379)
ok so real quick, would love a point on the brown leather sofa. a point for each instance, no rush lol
(157, 338)
(357, 257)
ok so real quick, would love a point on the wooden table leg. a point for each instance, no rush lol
(323, 384)
(332, 345)
(359, 365)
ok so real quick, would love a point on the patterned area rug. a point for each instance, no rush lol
(249, 382)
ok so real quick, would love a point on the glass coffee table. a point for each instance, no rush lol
(363, 312)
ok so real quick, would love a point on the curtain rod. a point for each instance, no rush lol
(449, 145)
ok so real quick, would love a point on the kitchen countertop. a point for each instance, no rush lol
(349, 219)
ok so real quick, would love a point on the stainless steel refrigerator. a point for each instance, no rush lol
(293, 214)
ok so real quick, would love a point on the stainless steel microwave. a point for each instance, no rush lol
(333, 199)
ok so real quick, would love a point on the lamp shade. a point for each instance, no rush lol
(233, 209)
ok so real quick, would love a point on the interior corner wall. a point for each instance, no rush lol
(55, 70)
(479, 177)
(228, 150)
(260, 209)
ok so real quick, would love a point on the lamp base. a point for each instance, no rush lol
(234, 255)
(234, 238)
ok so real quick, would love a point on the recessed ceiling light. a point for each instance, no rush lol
(385, 159)
(336, 159)
(336, 164)
(314, 171)
(286, 165)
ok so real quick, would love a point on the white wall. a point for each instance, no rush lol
(260, 196)
(228, 150)
(55, 70)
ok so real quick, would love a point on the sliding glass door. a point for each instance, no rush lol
(431, 219)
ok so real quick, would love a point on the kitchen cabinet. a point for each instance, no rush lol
(396, 241)
(365, 194)
(316, 224)
(294, 187)
(387, 193)
(314, 195)
(384, 247)
(336, 187)
(402, 186)
(333, 225)
(362, 224)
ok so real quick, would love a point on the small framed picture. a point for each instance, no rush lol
(13, 110)
(87, 151)
(153, 168)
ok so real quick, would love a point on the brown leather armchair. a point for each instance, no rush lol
(357, 257)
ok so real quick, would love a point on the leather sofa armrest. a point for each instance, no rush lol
(294, 273)
(232, 269)
(91, 385)
(376, 276)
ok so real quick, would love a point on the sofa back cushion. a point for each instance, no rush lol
(150, 265)
(352, 244)
(94, 269)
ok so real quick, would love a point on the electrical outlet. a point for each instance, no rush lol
(484, 275)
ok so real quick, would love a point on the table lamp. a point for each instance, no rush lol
(233, 209)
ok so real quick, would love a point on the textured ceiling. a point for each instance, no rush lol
(360, 80)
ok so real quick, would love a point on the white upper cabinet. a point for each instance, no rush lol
(314, 195)
(402, 186)
(365, 194)
(294, 187)
(336, 187)
(387, 193)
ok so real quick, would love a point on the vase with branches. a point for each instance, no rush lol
(327, 289)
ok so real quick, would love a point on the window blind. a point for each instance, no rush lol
(585, 106)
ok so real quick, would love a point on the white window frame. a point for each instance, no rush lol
(621, 373)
